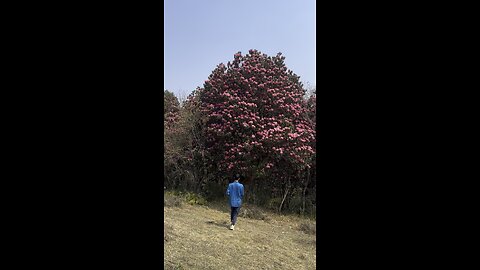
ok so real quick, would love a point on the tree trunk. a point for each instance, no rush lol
(249, 189)
(284, 196)
(304, 191)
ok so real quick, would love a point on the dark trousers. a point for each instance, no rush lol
(234, 214)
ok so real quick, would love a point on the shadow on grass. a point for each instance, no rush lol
(218, 224)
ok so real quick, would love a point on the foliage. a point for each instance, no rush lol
(177, 198)
(256, 121)
(195, 199)
(170, 102)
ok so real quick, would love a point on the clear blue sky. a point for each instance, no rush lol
(200, 34)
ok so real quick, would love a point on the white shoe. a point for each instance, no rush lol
(232, 227)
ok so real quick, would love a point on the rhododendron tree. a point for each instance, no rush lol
(171, 108)
(256, 121)
(171, 148)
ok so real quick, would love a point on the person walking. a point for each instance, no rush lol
(235, 194)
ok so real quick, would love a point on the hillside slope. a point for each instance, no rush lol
(197, 237)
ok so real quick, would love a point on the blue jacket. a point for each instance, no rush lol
(235, 193)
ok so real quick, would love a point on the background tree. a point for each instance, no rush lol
(170, 102)
(185, 160)
(172, 146)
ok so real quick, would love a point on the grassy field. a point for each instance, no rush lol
(197, 237)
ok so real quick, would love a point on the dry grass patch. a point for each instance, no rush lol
(167, 232)
(202, 240)
(252, 212)
(308, 227)
(171, 200)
